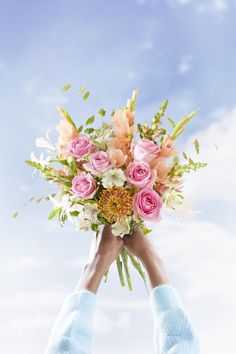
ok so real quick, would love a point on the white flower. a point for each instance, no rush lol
(87, 217)
(113, 177)
(172, 199)
(83, 224)
(64, 201)
(101, 136)
(43, 161)
(121, 227)
(45, 143)
(90, 212)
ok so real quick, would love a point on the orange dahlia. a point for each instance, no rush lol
(115, 203)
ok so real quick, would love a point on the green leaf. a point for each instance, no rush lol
(90, 120)
(137, 266)
(103, 220)
(40, 199)
(196, 145)
(191, 161)
(171, 122)
(54, 213)
(14, 215)
(66, 115)
(86, 95)
(82, 89)
(94, 227)
(74, 213)
(133, 102)
(102, 112)
(79, 130)
(181, 124)
(66, 87)
(185, 156)
(71, 164)
(89, 130)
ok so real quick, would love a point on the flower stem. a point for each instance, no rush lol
(124, 256)
(120, 271)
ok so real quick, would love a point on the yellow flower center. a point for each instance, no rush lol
(115, 203)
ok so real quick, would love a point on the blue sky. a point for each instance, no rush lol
(178, 49)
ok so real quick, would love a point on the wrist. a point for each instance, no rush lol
(155, 268)
(92, 274)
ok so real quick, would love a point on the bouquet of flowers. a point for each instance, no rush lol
(118, 173)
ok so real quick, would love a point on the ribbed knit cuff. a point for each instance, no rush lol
(164, 297)
(84, 301)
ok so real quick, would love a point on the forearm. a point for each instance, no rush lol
(154, 267)
(92, 274)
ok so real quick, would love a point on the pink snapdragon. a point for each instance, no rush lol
(98, 163)
(147, 204)
(84, 186)
(139, 174)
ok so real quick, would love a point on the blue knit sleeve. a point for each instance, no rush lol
(173, 331)
(72, 332)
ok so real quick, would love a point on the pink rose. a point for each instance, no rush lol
(99, 162)
(84, 185)
(80, 146)
(148, 203)
(139, 174)
(144, 150)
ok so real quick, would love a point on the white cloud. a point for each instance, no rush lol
(218, 149)
(183, 1)
(31, 85)
(149, 44)
(200, 258)
(185, 64)
(52, 97)
(23, 264)
(213, 6)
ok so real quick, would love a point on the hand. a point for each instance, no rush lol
(105, 249)
(140, 246)
(107, 246)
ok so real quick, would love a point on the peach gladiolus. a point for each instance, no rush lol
(161, 168)
(116, 156)
(167, 147)
(123, 122)
(66, 133)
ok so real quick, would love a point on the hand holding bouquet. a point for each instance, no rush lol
(118, 174)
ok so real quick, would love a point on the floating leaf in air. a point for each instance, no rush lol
(197, 146)
(185, 156)
(82, 89)
(90, 120)
(86, 95)
(102, 112)
(66, 87)
(54, 213)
